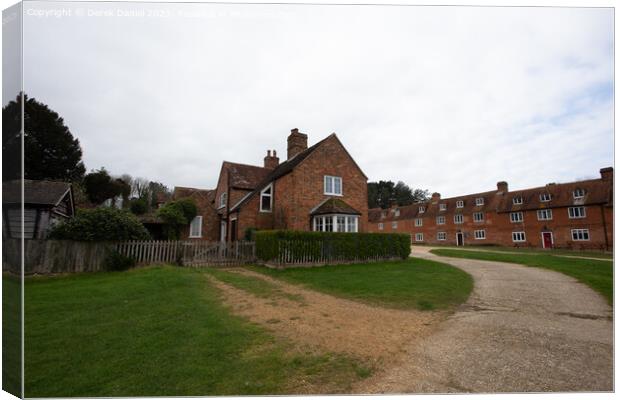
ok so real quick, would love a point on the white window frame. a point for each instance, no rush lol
(262, 194)
(421, 209)
(516, 217)
(394, 224)
(580, 235)
(443, 207)
(380, 226)
(480, 234)
(544, 197)
(458, 218)
(479, 201)
(330, 189)
(197, 219)
(574, 215)
(419, 222)
(517, 200)
(460, 204)
(419, 237)
(518, 237)
(579, 193)
(397, 212)
(478, 214)
(223, 199)
(545, 214)
(442, 235)
(440, 220)
(322, 221)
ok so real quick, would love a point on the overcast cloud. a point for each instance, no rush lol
(450, 99)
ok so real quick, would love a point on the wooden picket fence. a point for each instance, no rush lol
(189, 253)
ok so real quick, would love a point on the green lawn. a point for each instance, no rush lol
(11, 334)
(159, 331)
(533, 250)
(594, 273)
(413, 283)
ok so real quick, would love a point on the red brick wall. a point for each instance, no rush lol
(210, 219)
(499, 228)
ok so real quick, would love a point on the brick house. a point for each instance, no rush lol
(204, 225)
(569, 215)
(317, 188)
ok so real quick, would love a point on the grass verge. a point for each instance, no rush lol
(597, 274)
(409, 284)
(160, 331)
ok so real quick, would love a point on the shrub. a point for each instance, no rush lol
(115, 261)
(101, 224)
(331, 245)
(138, 206)
(176, 214)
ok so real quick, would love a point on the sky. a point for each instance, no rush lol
(449, 99)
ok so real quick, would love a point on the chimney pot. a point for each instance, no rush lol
(271, 161)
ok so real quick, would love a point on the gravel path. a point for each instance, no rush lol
(523, 329)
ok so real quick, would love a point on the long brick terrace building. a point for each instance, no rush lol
(577, 215)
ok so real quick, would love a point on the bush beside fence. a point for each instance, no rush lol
(282, 248)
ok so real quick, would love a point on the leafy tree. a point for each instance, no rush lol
(381, 193)
(101, 224)
(50, 150)
(100, 186)
(176, 214)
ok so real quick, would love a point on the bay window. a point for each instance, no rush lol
(336, 223)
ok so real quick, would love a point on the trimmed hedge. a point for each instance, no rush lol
(324, 246)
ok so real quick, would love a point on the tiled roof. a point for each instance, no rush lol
(281, 170)
(35, 192)
(596, 191)
(181, 192)
(334, 206)
(243, 176)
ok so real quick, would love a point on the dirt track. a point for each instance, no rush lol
(523, 329)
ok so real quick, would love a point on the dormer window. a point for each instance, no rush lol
(397, 212)
(332, 185)
(422, 209)
(442, 207)
(479, 201)
(545, 197)
(460, 204)
(223, 197)
(578, 193)
(383, 214)
(266, 199)
(517, 200)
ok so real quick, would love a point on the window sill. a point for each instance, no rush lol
(265, 212)
(333, 194)
(194, 237)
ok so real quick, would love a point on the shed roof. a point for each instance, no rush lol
(47, 193)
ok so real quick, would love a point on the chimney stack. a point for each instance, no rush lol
(297, 142)
(607, 174)
(435, 197)
(271, 161)
(502, 187)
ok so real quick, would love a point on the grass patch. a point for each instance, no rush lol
(11, 334)
(597, 274)
(409, 284)
(159, 331)
(537, 251)
(256, 286)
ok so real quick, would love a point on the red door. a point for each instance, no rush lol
(547, 240)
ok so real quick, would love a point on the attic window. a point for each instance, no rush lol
(332, 185)
(223, 197)
(479, 201)
(579, 193)
(517, 200)
(545, 197)
(397, 212)
(459, 204)
(383, 214)
(266, 199)
(422, 209)
(442, 207)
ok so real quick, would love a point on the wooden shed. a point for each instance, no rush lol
(46, 203)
